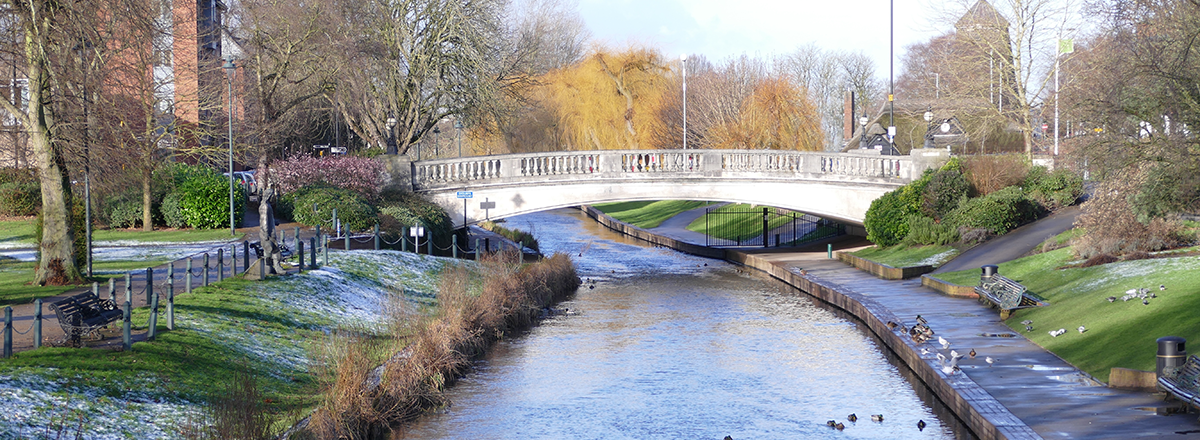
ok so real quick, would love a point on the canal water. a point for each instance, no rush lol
(671, 346)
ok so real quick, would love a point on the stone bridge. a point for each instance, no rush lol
(837, 186)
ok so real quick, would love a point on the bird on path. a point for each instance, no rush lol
(1131, 292)
(839, 426)
(972, 353)
(831, 423)
(891, 325)
(924, 351)
(941, 358)
(921, 425)
(922, 320)
(955, 355)
(944, 342)
(989, 360)
(1082, 329)
(949, 369)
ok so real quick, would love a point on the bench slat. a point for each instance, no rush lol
(84, 313)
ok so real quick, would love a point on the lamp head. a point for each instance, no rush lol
(928, 116)
(229, 66)
(863, 120)
(683, 57)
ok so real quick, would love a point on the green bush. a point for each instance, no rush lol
(20, 198)
(402, 208)
(923, 230)
(352, 209)
(124, 210)
(172, 213)
(886, 220)
(945, 190)
(204, 200)
(998, 212)
(1053, 189)
(11, 175)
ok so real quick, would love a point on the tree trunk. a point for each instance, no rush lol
(147, 219)
(56, 265)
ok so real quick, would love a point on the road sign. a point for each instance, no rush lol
(465, 194)
(487, 205)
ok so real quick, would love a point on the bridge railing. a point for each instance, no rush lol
(608, 164)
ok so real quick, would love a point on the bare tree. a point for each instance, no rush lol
(826, 76)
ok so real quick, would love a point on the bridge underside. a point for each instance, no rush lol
(845, 202)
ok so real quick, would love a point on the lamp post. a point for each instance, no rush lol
(436, 131)
(683, 62)
(1064, 47)
(87, 162)
(928, 127)
(230, 68)
(392, 148)
(458, 127)
(891, 72)
(862, 132)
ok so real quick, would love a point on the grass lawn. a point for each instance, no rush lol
(16, 278)
(905, 256)
(1119, 334)
(277, 330)
(729, 226)
(648, 214)
(16, 232)
(19, 231)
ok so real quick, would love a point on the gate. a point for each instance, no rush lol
(768, 227)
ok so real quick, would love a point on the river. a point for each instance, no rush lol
(671, 346)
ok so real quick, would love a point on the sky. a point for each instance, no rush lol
(720, 29)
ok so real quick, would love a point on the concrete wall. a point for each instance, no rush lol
(882, 270)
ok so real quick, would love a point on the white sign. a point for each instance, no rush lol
(417, 231)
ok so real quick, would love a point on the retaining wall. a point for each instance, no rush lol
(882, 270)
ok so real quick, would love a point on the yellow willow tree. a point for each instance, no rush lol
(608, 101)
(777, 116)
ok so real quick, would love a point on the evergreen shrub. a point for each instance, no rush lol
(204, 199)
(19, 198)
(998, 212)
(353, 211)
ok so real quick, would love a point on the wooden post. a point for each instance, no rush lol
(346, 237)
(37, 323)
(8, 332)
(171, 272)
(232, 260)
(170, 305)
(404, 239)
(128, 287)
(477, 251)
(313, 242)
(153, 318)
(126, 327)
(325, 252)
(376, 235)
(187, 284)
(245, 256)
(300, 252)
(454, 245)
(112, 290)
(205, 282)
(149, 284)
(429, 244)
(220, 264)
(96, 289)
(298, 242)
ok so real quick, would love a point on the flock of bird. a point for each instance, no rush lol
(1142, 293)
(921, 333)
(877, 418)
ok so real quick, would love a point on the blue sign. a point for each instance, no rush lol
(465, 194)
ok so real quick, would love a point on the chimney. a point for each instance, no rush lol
(848, 117)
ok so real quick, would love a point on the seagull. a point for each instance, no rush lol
(1112, 299)
(944, 342)
(1082, 329)
(1027, 322)
(972, 353)
(949, 369)
(852, 417)
(1131, 292)
(989, 360)
(921, 425)
(924, 352)
(876, 417)
(941, 358)
(955, 355)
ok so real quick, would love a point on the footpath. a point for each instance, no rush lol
(1051, 398)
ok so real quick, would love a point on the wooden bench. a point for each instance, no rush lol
(84, 314)
(1184, 382)
(1006, 295)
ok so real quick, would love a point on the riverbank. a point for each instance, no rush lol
(1029, 393)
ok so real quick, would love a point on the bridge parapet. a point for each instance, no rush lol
(651, 164)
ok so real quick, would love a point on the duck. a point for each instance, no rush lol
(839, 426)
(922, 320)
(972, 353)
(876, 417)
(852, 417)
(891, 325)
(831, 423)
(920, 425)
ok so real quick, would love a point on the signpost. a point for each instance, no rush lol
(485, 205)
(465, 195)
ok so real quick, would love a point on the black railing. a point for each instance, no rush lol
(766, 227)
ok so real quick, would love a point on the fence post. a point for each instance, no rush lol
(766, 230)
(112, 290)
(220, 264)
(170, 305)
(313, 242)
(298, 243)
(153, 319)
(126, 328)
(37, 323)
(429, 244)
(346, 237)
(376, 235)
(487, 244)
(454, 245)
(262, 269)
(776, 240)
(300, 252)
(829, 251)
(205, 282)
(171, 272)
(8, 332)
(325, 252)
(477, 249)
(318, 236)
(128, 286)
(149, 283)
(337, 229)
(232, 260)
(245, 256)
(404, 239)
(96, 289)
(187, 284)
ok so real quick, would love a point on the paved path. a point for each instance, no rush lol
(1054, 398)
(1014, 244)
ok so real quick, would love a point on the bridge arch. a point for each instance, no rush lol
(837, 186)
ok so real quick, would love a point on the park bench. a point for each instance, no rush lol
(1184, 382)
(84, 314)
(1005, 294)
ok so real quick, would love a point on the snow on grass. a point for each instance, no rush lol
(352, 291)
(1123, 271)
(938, 259)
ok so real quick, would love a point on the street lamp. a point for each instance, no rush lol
(87, 161)
(436, 131)
(230, 68)
(929, 127)
(391, 139)
(1065, 46)
(683, 62)
(458, 127)
(862, 132)
(891, 72)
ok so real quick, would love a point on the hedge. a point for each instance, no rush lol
(998, 212)
(204, 200)
(353, 211)
(20, 198)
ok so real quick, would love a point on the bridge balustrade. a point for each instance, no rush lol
(661, 161)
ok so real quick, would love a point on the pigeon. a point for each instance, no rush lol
(921, 425)
(1028, 328)
(1027, 322)
(944, 342)
(1112, 299)
(876, 417)
(852, 417)
(972, 353)
(989, 360)
(1162, 287)
(1082, 329)
(1145, 302)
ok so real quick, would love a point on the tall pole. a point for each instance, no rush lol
(229, 70)
(1057, 57)
(683, 62)
(891, 72)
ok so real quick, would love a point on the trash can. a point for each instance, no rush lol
(1171, 355)
(988, 271)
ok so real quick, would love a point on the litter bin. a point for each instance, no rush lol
(1171, 355)
(988, 271)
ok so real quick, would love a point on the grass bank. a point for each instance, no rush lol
(272, 332)
(19, 232)
(906, 256)
(362, 402)
(1119, 333)
(648, 214)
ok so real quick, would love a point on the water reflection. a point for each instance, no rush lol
(668, 347)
